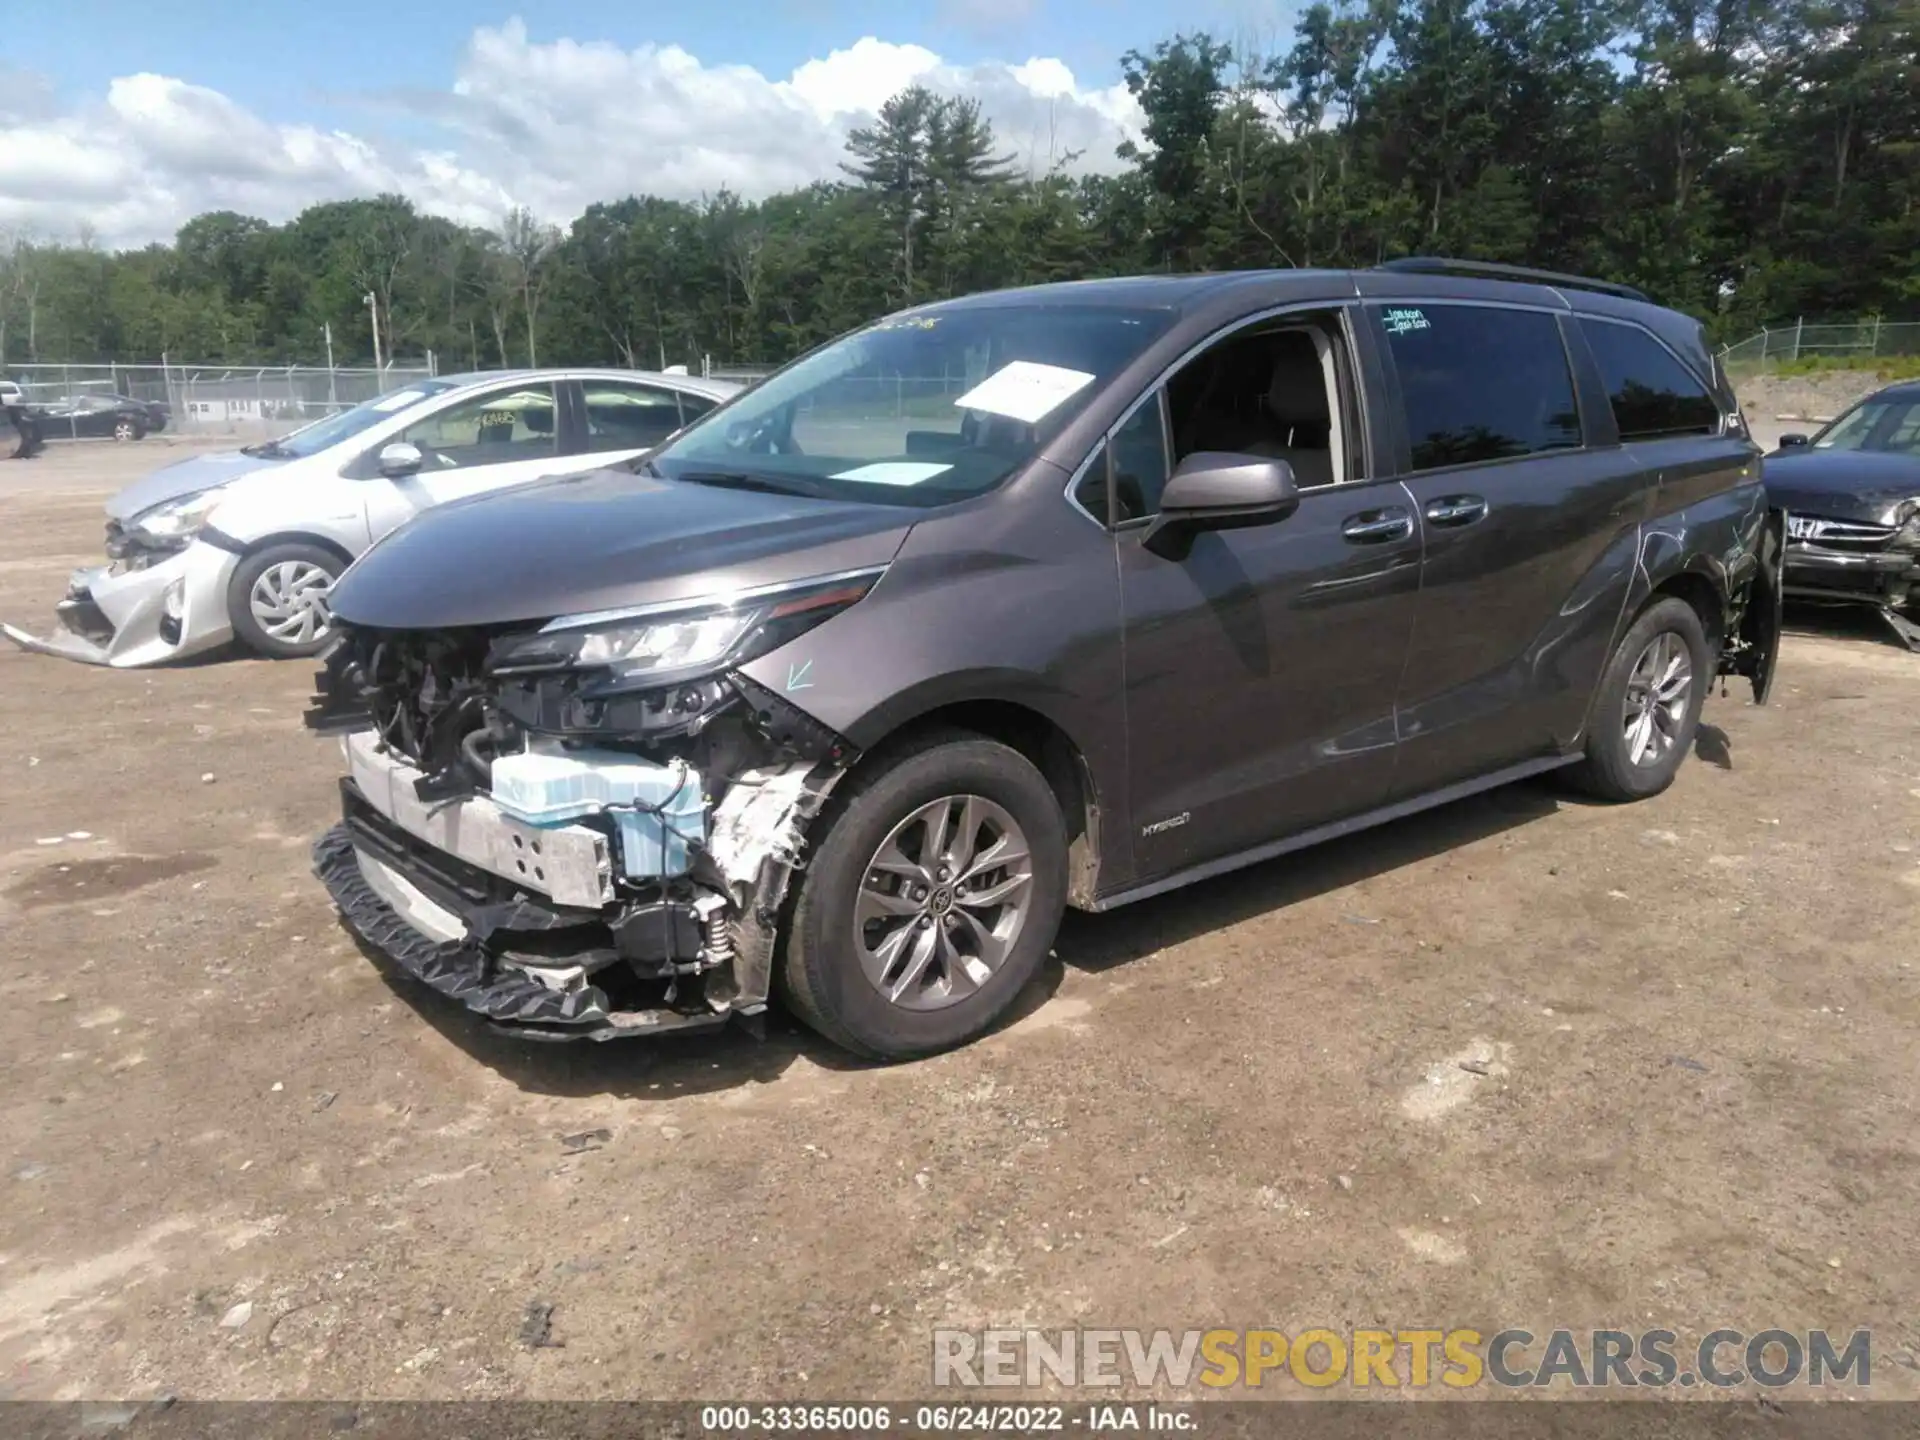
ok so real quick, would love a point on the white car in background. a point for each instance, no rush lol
(247, 544)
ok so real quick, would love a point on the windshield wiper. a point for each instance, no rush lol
(267, 450)
(740, 480)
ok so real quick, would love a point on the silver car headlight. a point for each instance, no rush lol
(683, 641)
(178, 519)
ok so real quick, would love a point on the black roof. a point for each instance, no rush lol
(1168, 292)
(1180, 292)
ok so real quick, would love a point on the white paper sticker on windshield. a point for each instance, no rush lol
(894, 472)
(399, 400)
(1025, 390)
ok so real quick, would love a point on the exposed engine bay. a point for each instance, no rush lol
(566, 852)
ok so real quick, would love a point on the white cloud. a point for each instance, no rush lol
(862, 77)
(555, 125)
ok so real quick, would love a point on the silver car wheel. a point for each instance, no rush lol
(289, 601)
(123, 430)
(1659, 689)
(942, 902)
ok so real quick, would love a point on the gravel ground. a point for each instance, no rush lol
(1578, 1065)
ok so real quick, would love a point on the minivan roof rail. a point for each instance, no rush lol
(1487, 269)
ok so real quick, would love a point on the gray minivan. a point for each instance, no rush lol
(1057, 596)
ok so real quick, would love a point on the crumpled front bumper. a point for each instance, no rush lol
(432, 943)
(1878, 577)
(166, 610)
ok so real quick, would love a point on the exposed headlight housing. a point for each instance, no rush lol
(661, 644)
(1901, 513)
(1907, 516)
(178, 519)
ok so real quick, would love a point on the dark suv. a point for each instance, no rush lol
(1049, 597)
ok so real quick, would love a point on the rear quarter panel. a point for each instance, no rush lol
(1707, 517)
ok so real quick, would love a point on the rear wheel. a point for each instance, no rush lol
(931, 900)
(1648, 704)
(277, 600)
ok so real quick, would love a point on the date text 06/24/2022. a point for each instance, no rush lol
(961, 1419)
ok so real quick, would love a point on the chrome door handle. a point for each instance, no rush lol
(1457, 510)
(1370, 527)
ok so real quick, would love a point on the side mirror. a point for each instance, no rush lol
(400, 458)
(1793, 442)
(1212, 490)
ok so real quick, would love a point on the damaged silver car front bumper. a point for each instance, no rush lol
(154, 609)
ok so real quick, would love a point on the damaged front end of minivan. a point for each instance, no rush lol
(585, 830)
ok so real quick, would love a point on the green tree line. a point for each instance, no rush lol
(1746, 160)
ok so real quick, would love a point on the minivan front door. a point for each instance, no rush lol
(1261, 672)
(1261, 664)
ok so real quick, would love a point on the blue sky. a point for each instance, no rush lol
(289, 56)
(121, 121)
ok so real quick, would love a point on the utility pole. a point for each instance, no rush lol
(373, 304)
(333, 394)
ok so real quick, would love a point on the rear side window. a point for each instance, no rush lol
(1479, 383)
(1654, 396)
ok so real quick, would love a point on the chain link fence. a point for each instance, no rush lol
(1858, 341)
(738, 374)
(130, 402)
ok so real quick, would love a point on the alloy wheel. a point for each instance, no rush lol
(1659, 689)
(942, 902)
(289, 601)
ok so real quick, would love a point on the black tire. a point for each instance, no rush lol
(247, 629)
(822, 980)
(127, 428)
(1609, 770)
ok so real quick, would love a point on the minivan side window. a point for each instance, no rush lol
(1139, 456)
(1124, 479)
(1654, 396)
(1479, 383)
(1090, 492)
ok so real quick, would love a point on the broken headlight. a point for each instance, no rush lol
(178, 519)
(1907, 516)
(658, 642)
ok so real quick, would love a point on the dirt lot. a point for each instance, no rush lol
(1695, 1016)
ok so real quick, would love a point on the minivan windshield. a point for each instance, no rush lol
(922, 408)
(1890, 424)
(330, 430)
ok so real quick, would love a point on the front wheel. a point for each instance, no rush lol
(931, 900)
(126, 429)
(278, 598)
(1648, 704)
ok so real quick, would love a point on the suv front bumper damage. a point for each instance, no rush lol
(1845, 562)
